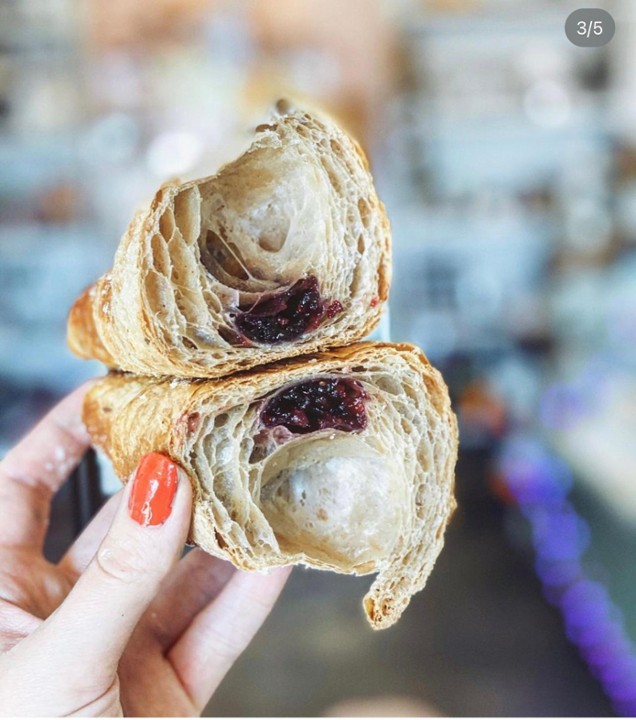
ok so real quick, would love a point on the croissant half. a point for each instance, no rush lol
(343, 460)
(285, 251)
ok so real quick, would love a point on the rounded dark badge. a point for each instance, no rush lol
(590, 27)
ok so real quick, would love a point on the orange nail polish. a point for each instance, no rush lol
(153, 490)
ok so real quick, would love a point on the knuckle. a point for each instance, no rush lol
(120, 563)
(15, 625)
(227, 645)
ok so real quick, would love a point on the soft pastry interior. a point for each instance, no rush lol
(327, 489)
(341, 461)
(335, 499)
(282, 252)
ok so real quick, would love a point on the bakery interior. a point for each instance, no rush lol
(506, 157)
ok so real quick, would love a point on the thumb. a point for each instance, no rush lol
(93, 625)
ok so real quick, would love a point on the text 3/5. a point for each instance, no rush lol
(589, 28)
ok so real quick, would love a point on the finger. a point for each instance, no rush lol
(192, 585)
(17, 623)
(82, 551)
(93, 625)
(36, 467)
(221, 631)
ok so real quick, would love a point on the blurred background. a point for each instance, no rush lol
(506, 157)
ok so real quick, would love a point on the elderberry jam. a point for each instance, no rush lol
(320, 404)
(286, 315)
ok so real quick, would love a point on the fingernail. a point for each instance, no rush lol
(153, 490)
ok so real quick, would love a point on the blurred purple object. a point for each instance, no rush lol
(540, 483)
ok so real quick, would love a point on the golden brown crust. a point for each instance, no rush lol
(246, 497)
(83, 338)
(299, 202)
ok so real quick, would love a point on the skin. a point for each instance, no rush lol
(121, 626)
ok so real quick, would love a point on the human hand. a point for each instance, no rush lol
(119, 626)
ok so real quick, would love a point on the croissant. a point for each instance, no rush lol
(343, 460)
(285, 251)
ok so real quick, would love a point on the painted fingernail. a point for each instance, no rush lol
(153, 490)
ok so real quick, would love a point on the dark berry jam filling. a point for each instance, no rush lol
(320, 404)
(286, 315)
